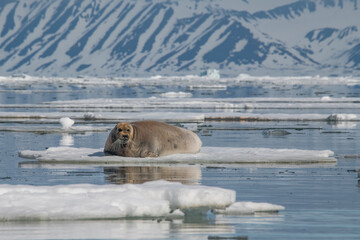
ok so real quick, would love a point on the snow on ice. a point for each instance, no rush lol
(66, 122)
(151, 199)
(85, 201)
(243, 208)
(207, 155)
(188, 80)
(174, 117)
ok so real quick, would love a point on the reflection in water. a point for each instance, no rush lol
(115, 229)
(343, 125)
(141, 174)
(257, 221)
(66, 140)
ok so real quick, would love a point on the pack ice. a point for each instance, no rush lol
(86, 201)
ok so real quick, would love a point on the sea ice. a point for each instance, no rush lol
(211, 76)
(342, 117)
(180, 116)
(66, 122)
(207, 155)
(243, 208)
(182, 100)
(86, 201)
(175, 94)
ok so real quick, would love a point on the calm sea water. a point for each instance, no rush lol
(322, 200)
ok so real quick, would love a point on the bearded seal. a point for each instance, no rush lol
(150, 139)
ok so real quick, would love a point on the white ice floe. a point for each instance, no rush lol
(207, 155)
(342, 117)
(280, 117)
(325, 98)
(175, 94)
(66, 122)
(43, 128)
(102, 116)
(212, 77)
(176, 116)
(85, 201)
(179, 102)
(245, 208)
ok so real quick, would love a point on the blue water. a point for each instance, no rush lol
(322, 201)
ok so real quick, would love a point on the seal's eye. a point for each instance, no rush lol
(119, 130)
(128, 130)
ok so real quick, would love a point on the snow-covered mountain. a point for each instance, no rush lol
(163, 37)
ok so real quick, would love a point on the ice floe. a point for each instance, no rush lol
(66, 122)
(175, 117)
(43, 128)
(151, 199)
(53, 117)
(175, 94)
(85, 201)
(342, 117)
(210, 77)
(207, 155)
(245, 208)
(181, 100)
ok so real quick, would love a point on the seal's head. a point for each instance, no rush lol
(124, 132)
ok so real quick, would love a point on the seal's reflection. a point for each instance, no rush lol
(141, 174)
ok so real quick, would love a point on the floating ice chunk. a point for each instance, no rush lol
(343, 125)
(341, 117)
(241, 208)
(228, 115)
(66, 122)
(190, 126)
(174, 80)
(243, 76)
(176, 94)
(276, 132)
(325, 98)
(156, 77)
(207, 155)
(85, 201)
(89, 116)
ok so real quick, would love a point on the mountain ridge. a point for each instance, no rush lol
(142, 38)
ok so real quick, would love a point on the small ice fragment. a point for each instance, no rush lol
(341, 117)
(190, 126)
(176, 95)
(248, 106)
(240, 208)
(66, 122)
(89, 116)
(176, 213)
(276, 132)
(325, 98)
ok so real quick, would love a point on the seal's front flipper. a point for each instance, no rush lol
(149, 154)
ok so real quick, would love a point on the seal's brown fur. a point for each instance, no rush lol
(150, 139)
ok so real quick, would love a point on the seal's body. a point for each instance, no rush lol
(150, 139)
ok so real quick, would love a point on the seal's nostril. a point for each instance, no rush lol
(125, 136)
